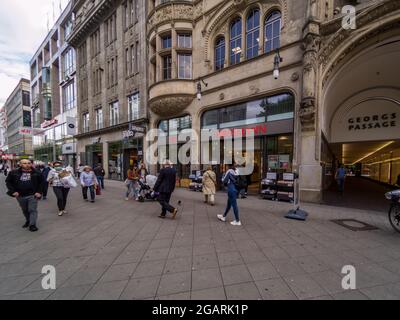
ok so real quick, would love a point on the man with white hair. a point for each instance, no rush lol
(165, 186)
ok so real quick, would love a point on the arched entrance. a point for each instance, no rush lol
(361, 125)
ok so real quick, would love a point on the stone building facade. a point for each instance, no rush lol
(330, 74)
(110, 39)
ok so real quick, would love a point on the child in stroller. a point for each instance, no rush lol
(146, 191)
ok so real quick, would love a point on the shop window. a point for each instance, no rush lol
(272, 31)
(252, 33)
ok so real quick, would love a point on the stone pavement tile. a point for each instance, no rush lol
(165, 235)
(295, 250)
(383, 292)
(330, 281)
(70, 293)
(235, 274)
(373, 275)
(229, 259)
(85, 276)
(304, 286)
(206, 278)
(265, 242)
(275, 253)
(209, 294)
(182, 242)
(206, 261)
(138, 245)
(174, 283)
(129, 257)
(354, 257)
(253, 256)
(327, 297)
(350, 295)
(178, 265)
(180, 252)
(242, 291)
(141, 288)
(311, 265)
(101, 260)
(333, 261)
(376, 254)
(275, 289)
(246, 245)
(203, 240)
(176, 296)
(119, 272)
(42, 295)
(160, 244)
(393, 266)
(288, 267)
(12, 269)
(106, 290)
(14, 285)
(262, 270)
(202, 249)
(149, 268)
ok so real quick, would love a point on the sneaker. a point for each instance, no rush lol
(221, 217)
(26, 225)
(127, 199)
(161, 216)
(236, 223)
(65, 211)
(33, 229)
(174, 213)
(60, 213)
(92, 201)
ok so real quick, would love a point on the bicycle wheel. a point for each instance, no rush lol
(394, 217)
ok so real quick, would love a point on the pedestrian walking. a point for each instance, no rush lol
(61, 190)
(26, 184)
(132, 183)
(89, 182)
(340, 178)
(165, 186)
(209, 185)
(100, 173)
(143, 172)
(230, 180)
(45, 173)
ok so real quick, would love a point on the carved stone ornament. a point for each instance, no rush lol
(169, 106)
(240, 3)
(307, 114)
(221, 96)
(175, 12)
(295, 76)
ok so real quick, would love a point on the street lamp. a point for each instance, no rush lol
(199, 95)
(277, 60)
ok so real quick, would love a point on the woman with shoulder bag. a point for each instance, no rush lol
(60, 188)
(132, 183)
(209, 185)
(89, 182)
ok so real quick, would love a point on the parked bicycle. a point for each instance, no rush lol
(394, 210)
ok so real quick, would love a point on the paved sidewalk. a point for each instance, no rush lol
(117, 249)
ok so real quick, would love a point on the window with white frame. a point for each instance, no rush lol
(68, 62)
(114, 113)
(69, 96)
(99, 119)
(133, 107)
(185, 66)
(85, 122)
(184, 40)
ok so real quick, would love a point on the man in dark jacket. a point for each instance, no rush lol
(165, 186)
(26, 185)
(100, 173)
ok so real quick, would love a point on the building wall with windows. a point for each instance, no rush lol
(18, 116)
(110, 40)
(54, 93)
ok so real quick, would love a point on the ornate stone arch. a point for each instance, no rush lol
(226, 11)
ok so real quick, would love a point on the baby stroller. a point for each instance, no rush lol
(197, 181)
(146, 191)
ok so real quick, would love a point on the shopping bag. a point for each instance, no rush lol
(98, 190)
(69, 181)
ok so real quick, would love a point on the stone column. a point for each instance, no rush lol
(310, 169)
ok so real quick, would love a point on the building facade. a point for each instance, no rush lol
(294, 72)
(110, 39)
(18, 114)
(54, 95)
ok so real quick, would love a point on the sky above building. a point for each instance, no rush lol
(23, 27)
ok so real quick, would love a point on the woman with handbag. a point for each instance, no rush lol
(89, 182)
(132, 183)
(209, 185)
(61, 189)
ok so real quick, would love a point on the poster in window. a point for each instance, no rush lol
(284, 161)
(273, 161)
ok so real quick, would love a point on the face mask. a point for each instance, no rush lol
(58, 168)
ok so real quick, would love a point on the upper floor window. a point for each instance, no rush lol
(26, 98)
(85, 122)
(95, 43)
(252, 33)
(167, 42)
(67, 28)
(236, 41)
(272, 31)
(167, 67)
(69, 96)
(184, 40)
(68, 62)
(114, 113)
(219, 53)
(99, 119)
(185, 66)
(111, 29)
(133, 107)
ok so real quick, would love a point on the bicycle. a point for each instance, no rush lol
(394, 210)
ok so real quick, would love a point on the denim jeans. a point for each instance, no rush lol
(92, 193)
(100, 179)
(29, 208)
(133, 186)
(232, 201)
(340, 183)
